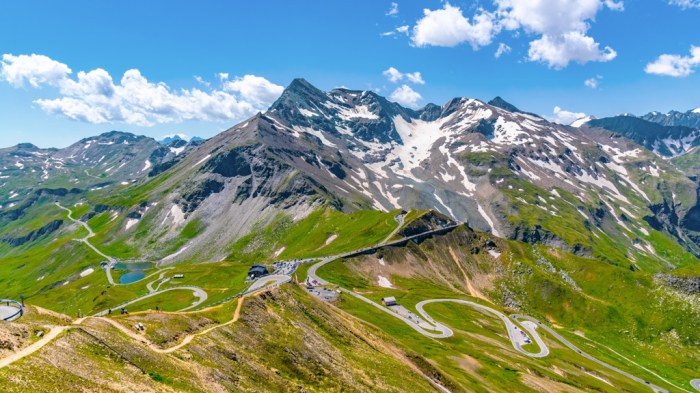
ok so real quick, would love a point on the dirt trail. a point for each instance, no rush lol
(188, 339)
(237, 313)
(55, 331)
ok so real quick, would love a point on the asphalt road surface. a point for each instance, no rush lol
(111, 261)
(696, 384)
(515, 333)
(198, 293)
(443, 331)
(268, 281)
(576, 349)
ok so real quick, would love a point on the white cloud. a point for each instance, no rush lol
(182, 136)
(415, 77)
(675, 65)
(560, 28)
(449, 27)
(94, 97)
(685, 4)
(565, 117)
(201, 81)
(406, 96)
(255, 89)
(36, 70)
(615, 5)
(395, 76)
(222, 76)
(399, 30)
(558, 51)
(552, 17)
(394, 10)
(502, 50)
(593, 83)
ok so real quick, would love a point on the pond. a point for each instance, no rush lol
(133, 266)
(135, 271)
(130, 277)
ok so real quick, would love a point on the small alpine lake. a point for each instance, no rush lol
(136, 271)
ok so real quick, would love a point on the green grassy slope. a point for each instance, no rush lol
(604, 303)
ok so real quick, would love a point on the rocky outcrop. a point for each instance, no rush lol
(35, 234)
(191, 200)
(233, 163)
(686, 285)
(538, 235)
(425, 223)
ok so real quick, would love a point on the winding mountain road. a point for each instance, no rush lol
(576, 349)
(516, 334)
(111, 261)
(197, 291)
(268, 281)
(160, 280)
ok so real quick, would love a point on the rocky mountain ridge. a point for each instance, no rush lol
(499, 169)
(513, 174)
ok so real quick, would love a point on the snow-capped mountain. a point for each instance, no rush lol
(510, 173)
(664, 140)
(111, 158)
(501, 170)
(581, 122)
(690, 118)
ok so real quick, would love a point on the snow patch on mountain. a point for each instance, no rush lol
(358, 112)
(307, 112)
(177, 150)
(130, 223)
(208, 156)
(483, 213)
(384, 282)
(580, 122)
(508, 132)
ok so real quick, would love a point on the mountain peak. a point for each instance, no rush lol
(690, 118)
(300, 83)
(298, 91)
(499, 102)
(27, 146)
(115, 134)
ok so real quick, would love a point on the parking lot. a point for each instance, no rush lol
(286, 267)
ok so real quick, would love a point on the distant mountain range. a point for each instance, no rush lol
(111, 158)
(690, 118)
(668, 135)
(179, 140)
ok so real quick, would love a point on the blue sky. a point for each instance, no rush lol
(165, 46)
